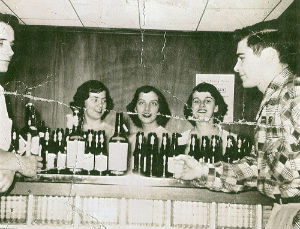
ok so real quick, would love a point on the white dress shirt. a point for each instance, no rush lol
(5, 123)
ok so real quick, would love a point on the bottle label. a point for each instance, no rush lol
(118, 153)
(75, 152)
(101, 163)
(88, 162)
(171, 166)
(35, 145)
(61, 160)
(51, 161)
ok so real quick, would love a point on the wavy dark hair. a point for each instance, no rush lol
(219, 100)
(163, 109)
(82, 94)
(264, 35)
(10, 20)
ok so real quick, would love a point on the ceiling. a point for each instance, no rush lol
(184, 15)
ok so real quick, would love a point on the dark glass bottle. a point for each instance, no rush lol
(118, 149)
(151, 155)
(230, 149)
(61, 152)
(239, 146)
(247, 145)
(52, 154)
(194, 147)
(216, 150)
(14, 141)
(138, 152)
(205, 148)
(45, 150)
(162, 167)
(102, 158)
(174, 151)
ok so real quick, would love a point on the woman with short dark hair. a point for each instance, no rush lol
(93, 101)
(149, 111)
(205, 110)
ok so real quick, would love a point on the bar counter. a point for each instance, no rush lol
(131, 201)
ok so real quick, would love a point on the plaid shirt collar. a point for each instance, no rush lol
(277, 83)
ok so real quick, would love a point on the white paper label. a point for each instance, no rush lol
(35, 144)
(171, 166)
(88, 162)
(50, 160)
(61, 160)
(101, 162)
(118, 153)
(75, 153)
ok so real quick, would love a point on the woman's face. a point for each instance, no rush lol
(95, 105)
(203, 106)
(147, 107)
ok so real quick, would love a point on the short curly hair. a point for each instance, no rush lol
(163, 108)
(219, 101)
(82, 94)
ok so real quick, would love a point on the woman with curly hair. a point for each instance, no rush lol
(93, 101)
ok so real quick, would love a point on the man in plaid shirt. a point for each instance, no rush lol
(264, 61)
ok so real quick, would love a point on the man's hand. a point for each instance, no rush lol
(29, 165)
(6, 179)
(189, 168)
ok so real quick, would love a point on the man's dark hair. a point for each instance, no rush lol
(10, 20)
(163, 108)
(219, 101)
(82, 94)
(261, 36)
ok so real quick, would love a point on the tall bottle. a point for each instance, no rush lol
(62, 154)
(239, 145)
(138, 152)
(118, 149)
(14, 141)
(174, 151)
(216, 151)
(194, 147)
(45, 150)
(205, 149)
(230, 149)
(152, 154)
(100, 154)
(162, 167)
(52, 154)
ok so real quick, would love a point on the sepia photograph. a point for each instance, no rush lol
(139, 114)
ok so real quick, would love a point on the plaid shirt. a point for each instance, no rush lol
(274, 164)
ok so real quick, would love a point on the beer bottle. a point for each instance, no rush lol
(174, 151)
(230, 148)
(14, 141)
(45, 150)
(118, 149)
(194, 147)
(62, 153)
(138, 152)
(216, 151)
(205, 149)
(151, 155)
(239, 145)
(100, 153)
(52, 154)
(162, 167)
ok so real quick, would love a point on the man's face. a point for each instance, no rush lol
(203, 106)
(249, 65)
(95, 105)
(147, 107)
(7, 38)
